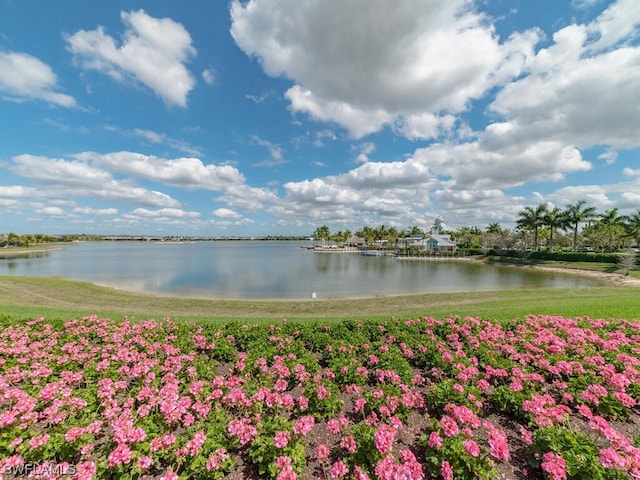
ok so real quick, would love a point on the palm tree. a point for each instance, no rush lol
(531, 218)
(612, 225)
(576, 214)
(415, 231)
(322, 232)
(633, 226)
(366, 233)
(494, 231)
(554, 219)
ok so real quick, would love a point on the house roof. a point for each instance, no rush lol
(441, 241)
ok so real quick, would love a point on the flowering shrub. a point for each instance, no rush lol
(415, 399)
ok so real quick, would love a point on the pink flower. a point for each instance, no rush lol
(323, 452)
(333, 426)
(281, 439)
(446, 470)
(383, 438)
(304, 425)
(39, 440)
(471, 447)
(554, 465)
(323, 392)
(435, 440)
(499, 449)
(339, 469)
(609, 458)
(527, 437)
(449, 426)
(348, 442)
(120, 455)
(144, 462)
(216, 460)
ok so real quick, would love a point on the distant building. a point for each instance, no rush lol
(441, 243)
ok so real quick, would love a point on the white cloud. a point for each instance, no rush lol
(225, 213)
(188, 173)
(158, 138)
(153, 52)
(99, 212)
(363, 150)
(164, 213)
(576, 95)
(65, 178)
(24, 77)
(615, 26)
(275, 151)
(209, 76)
(51, 211)
(364, 63)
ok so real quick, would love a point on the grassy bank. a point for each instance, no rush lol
(29, 297)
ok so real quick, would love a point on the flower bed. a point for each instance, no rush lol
(546, 397)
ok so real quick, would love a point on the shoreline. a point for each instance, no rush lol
(20, 251)
(615, 279)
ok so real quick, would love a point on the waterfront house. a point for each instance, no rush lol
(441, 243)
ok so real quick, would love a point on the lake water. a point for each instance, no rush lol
(269, 270)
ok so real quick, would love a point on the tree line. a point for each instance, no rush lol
(577, 226)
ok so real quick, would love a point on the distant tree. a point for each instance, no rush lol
(415, 231)
(468, 237)
(633, 227)
(322, 232)
(627, 261)
(575, 215)
(554, 219)
(612, 225)
(494, 234)
(366, 233)
(531, 219)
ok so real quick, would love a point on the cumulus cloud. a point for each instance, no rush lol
(189, 173)
(225, 213)
(363, 64)
(51, 211)
(551, 101)
(65, 178)
(153, 52)
(24, 77)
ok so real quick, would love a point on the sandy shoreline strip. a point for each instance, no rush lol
(20, 252)
(609, 278)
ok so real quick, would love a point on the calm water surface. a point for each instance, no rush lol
(269, 270)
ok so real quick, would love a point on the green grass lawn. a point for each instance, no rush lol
(29, 297)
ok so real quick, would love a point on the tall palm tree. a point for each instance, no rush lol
(633, 226)
(322, 232)
(612, 225)
(531, 218)
(554, 219)
(576, 214)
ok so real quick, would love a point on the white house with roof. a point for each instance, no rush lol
(441, 243)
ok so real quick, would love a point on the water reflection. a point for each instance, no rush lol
(270, 270)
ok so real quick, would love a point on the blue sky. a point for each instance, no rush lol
(274, 117)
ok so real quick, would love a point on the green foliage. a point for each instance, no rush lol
(464, 465)
(263, 452)
(578, 451)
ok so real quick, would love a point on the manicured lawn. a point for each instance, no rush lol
(29, 297)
